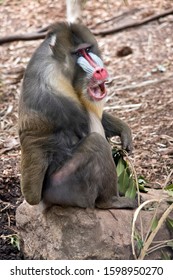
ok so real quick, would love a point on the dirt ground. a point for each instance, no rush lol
(140, 88)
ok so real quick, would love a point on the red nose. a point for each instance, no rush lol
(100, 73)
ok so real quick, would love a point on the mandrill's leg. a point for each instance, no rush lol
(88, 179)
(79, 181)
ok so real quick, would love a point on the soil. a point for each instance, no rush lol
(140, 63)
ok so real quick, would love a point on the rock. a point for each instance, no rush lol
(75, 233)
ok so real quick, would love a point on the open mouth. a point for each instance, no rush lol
(97, 92)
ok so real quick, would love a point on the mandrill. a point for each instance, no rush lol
(65, 156)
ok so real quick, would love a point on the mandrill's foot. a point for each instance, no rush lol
(117, 202)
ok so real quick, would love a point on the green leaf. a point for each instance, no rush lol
(138, 238)
(15, 241)
(141, 180)
(123, 182)
(142, 188)
(142, 183)
(154, 224)
(169, 223)
(170, 244)
(169, 187)
(170, 193)
(165, 256)
(116, 154)
(131, 191)
(120, 167)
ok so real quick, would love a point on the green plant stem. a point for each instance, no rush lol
(160, 245)
(153, 234)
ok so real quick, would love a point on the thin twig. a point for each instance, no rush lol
(133, 24)
(161, 244)
(22, 37)
(128, 106)
(117, 17)
(8, 236)
(7, 206)
(143, 84)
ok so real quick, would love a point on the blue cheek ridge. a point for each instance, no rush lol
(84, 64)
(96, 59)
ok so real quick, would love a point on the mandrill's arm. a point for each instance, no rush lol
(115, 127)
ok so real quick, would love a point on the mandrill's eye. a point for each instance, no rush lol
(88, 49)
(78, 53)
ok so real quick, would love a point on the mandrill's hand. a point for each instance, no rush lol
(126, 139)
(113, 126)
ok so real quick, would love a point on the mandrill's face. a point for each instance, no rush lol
(81, 57)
